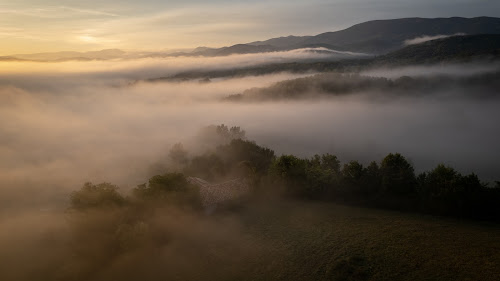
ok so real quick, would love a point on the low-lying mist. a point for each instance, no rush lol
(449, 69)
(332, 85)
(59, 130)
(63, 124)
(157, 67)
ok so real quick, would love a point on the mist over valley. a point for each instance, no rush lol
(368, 153)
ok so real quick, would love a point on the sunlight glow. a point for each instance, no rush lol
(88, 39)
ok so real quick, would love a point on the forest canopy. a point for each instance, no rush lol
(388, 183)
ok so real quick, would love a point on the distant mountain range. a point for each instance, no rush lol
(373, 37)
(377, 37)
(383, 36)
(454, 49)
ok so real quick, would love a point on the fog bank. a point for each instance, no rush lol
(62, 129)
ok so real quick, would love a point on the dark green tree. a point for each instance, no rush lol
(322, 175)
(178, 154)
(397, 176)
(161, 185)
(352, 174)
(371, 181)
(209, 167)
(238, 150)
(291, 171)
(172, 188)
(103, 195)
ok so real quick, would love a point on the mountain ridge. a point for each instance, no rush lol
(455, 49)
(376, 37)
(383, 36)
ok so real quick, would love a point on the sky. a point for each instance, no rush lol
(30, 26)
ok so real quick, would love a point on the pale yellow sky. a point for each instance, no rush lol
(30, 26)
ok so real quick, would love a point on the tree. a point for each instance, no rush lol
(161, 185)
(291, 171)
(178, 154)
(170, 188)
(103, 195)
(397, 175)
(209, 167)
(371, 180)
(236, 133)
(238, 150)
(441, 182)
(352, 171)
(445, 191)
(330, 162)
(322, 175)
(220, 134)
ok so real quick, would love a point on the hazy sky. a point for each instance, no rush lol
(28, 26)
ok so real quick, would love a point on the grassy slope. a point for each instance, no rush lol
(332, 242)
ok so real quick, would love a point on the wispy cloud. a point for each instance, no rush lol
(88, 11)
(20, 33)
(423, 39)
(54, 12)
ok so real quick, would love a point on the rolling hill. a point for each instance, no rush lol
(455, 49)
(373, 37)
(383, 36)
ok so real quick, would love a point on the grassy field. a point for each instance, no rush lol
(261, 241)
(316, 241)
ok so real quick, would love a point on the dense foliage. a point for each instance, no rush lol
(165, 218)
(337, 84)
(100, 195)
(391, 183)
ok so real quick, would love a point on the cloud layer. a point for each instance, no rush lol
(63, 124)
(62, 129)
(422, 39)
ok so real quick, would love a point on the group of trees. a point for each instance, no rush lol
(391, 183)
(238, 158)
(220, 134)
(338, 84)
(170, 188)
(165, 214)
(108, 226)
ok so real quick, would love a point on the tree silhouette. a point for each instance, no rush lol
(103, 195)
(397, 175)
(178, 154)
